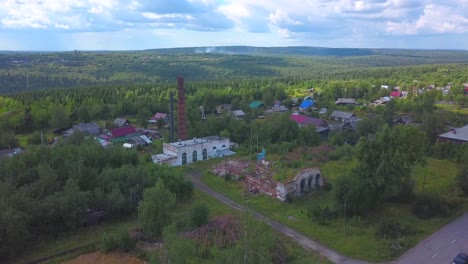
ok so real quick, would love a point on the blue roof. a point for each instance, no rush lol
(307, 104)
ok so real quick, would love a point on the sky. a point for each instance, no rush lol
(61, 25)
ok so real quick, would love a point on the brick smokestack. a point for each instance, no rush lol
(181, 119)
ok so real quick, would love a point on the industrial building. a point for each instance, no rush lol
(189, 151)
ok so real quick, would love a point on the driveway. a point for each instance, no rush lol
(442, 246)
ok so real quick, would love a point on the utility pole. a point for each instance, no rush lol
(345, 205)
(424, 181)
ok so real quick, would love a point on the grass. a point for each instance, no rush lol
(93, 234)
(453, 108)
(70, 240)
(358, 241)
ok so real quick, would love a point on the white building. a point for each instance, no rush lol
(192, 150)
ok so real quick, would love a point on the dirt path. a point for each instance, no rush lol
(298, 237)
(102, 258)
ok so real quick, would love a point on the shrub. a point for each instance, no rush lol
(200, 215)
(426, 207)
(120, 241)
(322, 215)
(390, 228)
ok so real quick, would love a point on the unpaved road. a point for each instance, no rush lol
(299, 238)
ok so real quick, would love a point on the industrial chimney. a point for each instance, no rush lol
(181, 119)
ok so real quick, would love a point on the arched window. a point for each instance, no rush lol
(184, 158)
(205, 154)
(214, 148)
(223, 146)
(194, 156)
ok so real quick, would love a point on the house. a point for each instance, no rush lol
(350, 125)
(321, 126)
(384, 86)
(323, 111)
(157, 116)
(8, 153)
(256, 104)
(458, 135)
(395, 94)
(121, 122)
(121, 134)
(345, 101)
(404, 94)
(239, 114)
(276, 109)
(223, 108)
(403, 120)
(193, 150)
(296, 100)
(87, 128)
(306, 104)
(343, 116)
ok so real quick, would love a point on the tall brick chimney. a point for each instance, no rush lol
(181, 118)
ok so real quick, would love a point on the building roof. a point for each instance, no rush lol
(279, 108)
(84, 127)
(459, 134)
(351, 125)
(121, 122)
(395, 94)
(223, 107)
(342, 115)
(306, 104)
(405, 119)
(158, 116)
(122, 131)
(345, 101)
(7, 153)
(256, 104)
(306, 120)
(195, 141)
(238, 113)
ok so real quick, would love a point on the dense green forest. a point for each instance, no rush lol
(47, 189)
(31, 71)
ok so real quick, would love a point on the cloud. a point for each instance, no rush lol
(436, 19)
(335, 22)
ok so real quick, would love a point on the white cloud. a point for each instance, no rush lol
(435, 19)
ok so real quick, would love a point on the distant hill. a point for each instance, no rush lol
(304, 51)
(28, 71)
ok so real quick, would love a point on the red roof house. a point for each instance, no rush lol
(396, 94)
(122, 131)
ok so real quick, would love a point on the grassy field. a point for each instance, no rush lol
(70, 240)
(358, 239)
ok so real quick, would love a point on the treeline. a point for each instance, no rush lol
(47, 190)
(34, 71)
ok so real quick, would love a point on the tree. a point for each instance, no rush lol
(200, 215)
(59, 117)
(178, 250)
(155, 211)
(384, 169)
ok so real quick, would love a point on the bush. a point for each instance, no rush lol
(426, 207)
(322, 215)
(200, 215)
(120, 241)
(389, 229)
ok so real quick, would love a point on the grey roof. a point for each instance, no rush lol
(345, 101)
(120, 122)
(280, 108)
(238, 113)
(353, 124)
(459, 134)
(8, 153)
(87, 127)
(342, 115)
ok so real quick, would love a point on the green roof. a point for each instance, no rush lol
(256, 104)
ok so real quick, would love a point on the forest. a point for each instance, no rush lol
(48, 189)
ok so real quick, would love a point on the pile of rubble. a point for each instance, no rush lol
(257, 175)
